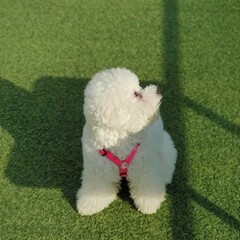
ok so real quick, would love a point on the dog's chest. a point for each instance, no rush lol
(124, 149)
(121, 152)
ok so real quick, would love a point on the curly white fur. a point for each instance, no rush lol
(119, 114)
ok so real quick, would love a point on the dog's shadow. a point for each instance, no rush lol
(46, 126)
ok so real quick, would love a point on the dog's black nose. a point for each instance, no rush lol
(159, 91)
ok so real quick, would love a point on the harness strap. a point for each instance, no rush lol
(122, 164)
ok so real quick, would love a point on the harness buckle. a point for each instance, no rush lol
(124, 165)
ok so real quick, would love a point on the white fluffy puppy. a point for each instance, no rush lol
(123, 122)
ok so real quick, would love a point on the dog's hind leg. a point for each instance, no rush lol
(168, 158)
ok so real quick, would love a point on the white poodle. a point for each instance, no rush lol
(123, 137)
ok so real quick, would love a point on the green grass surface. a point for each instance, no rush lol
(50, 49)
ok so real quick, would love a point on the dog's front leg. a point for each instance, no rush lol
(147, 192)
(95, 194)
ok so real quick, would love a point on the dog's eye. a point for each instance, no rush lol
(137, 94)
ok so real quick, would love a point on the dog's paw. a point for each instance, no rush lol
(92, 204)
(148, 205)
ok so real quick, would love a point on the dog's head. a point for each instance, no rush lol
(114, 99)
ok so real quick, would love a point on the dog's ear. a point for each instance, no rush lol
(109, 115)
(115, 117)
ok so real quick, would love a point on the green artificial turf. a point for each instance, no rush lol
(50, 49)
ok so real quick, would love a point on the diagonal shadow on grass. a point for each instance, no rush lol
(208, 113)
(181, 209)
(213, 208)
(46, 125)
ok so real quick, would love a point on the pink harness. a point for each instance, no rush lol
(122, 164)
